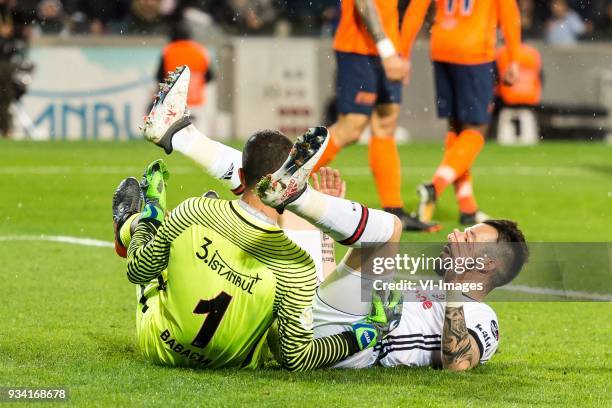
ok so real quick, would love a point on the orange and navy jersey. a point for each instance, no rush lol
(464, 31)
(195, 56)
(352, 35)
(527, 90)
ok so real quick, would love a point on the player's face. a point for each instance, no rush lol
(475, 233)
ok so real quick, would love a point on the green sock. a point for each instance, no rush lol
(125, 233)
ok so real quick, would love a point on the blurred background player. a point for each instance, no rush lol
(13, 38)
(515, 114)
(463, 41)
(184, 50)
(527, 89)
(369, 91)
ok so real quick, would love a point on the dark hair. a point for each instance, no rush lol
(263, 154)
(180, 31)
(515, 249)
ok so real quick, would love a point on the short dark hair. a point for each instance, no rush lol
(263, 154)
(180, 31)
(513, 246)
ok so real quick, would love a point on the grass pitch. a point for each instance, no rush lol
(67, 311)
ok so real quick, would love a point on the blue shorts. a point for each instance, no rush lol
(362, 84)
(465, 92)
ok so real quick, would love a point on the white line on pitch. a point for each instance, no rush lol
(66, 170)
(525, 171)
(573, 294)
(59, 238)
(520, 171)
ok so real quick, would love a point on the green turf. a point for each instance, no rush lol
(68, 312)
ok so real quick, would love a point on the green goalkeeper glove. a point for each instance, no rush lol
(376, 325)
(153, 185)
(366, 334)
(369, 330)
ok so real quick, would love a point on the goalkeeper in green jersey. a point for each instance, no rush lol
(214, 274)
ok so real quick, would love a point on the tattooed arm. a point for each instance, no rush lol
(459, 348)
(329, 254)
(396, 68)
(369, 15)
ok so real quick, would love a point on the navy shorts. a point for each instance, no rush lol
(465, 92)
(362, 84)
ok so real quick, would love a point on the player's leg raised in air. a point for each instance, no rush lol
(223, 162)
(185, 268)
(349, 223)
(168, 125)
(341, 301)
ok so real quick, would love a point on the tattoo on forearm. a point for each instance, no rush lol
(369, 15)
(456, 345)
(328, 249)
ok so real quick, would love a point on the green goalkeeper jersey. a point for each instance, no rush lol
(222, 277)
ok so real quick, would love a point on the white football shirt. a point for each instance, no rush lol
(418, 334)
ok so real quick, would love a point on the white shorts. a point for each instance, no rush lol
(336, 306)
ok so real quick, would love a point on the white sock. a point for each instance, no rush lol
(345, 221)
(219, 160)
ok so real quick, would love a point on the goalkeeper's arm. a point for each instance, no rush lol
(299, 350)
(148, 253)
(149, 249)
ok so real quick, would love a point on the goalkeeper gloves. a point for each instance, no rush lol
(376, 325)
(153, 185)
(366, 334)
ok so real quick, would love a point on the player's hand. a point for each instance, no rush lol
(366, 334)
(394, 307)
(384, 312)
(153, 185)
(369, 330)
(328, 181)
(512, 74)
(376, 326)
(460, 249)
(396, 68)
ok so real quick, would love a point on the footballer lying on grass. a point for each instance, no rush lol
(462, 348)
(223, 271)
(215, 274)
(450, 330)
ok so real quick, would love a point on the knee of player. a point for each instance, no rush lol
(350, 128)
(397, 230)
(385, 127)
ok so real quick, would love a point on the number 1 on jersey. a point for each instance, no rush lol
(214, 309)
